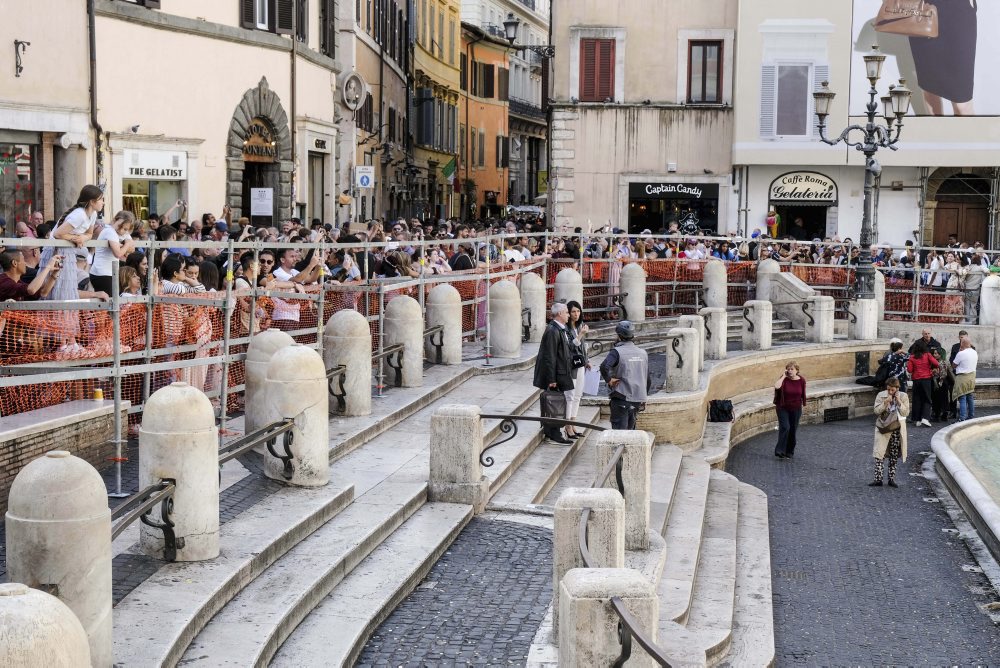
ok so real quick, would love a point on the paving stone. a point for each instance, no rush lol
(863, 575)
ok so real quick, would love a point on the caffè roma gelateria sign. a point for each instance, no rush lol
(810, 187)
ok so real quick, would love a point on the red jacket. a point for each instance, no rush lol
(920, 368)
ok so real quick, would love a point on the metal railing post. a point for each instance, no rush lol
(380, 384)
(227, 313)
(486, 298)
(116, 348)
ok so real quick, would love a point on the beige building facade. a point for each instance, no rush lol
(642, 114)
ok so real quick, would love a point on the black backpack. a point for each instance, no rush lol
(720, 410)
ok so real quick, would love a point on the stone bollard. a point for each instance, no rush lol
(533, 299)
(59, 540)
(821, 310)
(717, 322)
(404, 323)
(636, 472)
(682, 360)
(697, 323)
(297, 390)
(505, 320)
(880, 293)
(588, 630)
(989, 301)
(633, 286)
(866, 315)
(605, 532)
(716, 282)
(178, 440)
(569, 286)
(456, 476)
(444, 307)
(262, 347)
(757, 332)
(766, 270)
(40, 630)
(347, 341)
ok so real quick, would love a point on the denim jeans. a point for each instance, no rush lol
(967, 406)
(788, 426)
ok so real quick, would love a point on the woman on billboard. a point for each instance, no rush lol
(946, 65)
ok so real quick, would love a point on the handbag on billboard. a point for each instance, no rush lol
(912, 18)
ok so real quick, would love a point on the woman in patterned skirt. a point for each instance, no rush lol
(891, 445)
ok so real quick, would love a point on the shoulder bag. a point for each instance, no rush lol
(888, 423)
(912, 18)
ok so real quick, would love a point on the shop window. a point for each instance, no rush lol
(597, 70)
(704, 72)
(20, 182)
(786, 107)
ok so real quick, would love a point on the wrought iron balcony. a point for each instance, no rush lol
(526, 109)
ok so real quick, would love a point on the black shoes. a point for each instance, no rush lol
(892, 483)
(877, 483)
(560, 440)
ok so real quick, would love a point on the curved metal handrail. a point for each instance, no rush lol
(805, 309)
(746, 316)
(267, 436)
(338, 374)
(140, 506)
(508, 425)
(431, 333)
(525, 323)
(630, 628)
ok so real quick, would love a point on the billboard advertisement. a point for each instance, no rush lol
(946, 50)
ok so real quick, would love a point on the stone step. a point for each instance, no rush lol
(752, 642)
(170, 608)
(249, 630)
(533, 481)
(581, 471)
(708, 630)
(369, 594)
(776, 335)
(665, 468)
(685, 523)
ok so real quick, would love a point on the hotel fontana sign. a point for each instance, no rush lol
(259, 144)
(804, 188)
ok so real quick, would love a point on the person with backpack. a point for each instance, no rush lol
(891, 409)
(893, 365)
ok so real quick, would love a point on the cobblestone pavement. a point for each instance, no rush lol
(480, 605)
(864, 575)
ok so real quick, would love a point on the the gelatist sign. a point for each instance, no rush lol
(259, 144)
(804, 187)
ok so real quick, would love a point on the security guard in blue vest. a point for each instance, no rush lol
(626, 372)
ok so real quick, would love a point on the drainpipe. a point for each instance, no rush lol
(295, 57)
(98, 130)
(382, 116)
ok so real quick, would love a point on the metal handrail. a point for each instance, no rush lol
(140, 506)
(266, 435)
(526, 323)
(616, 302)
(393, 355)
(438, 331)
(508, 425)
(338, 374)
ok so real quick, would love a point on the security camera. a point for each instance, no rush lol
(874, 167)
(134, 129)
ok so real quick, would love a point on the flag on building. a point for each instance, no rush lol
(450, 170)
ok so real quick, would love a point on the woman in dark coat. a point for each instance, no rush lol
(946, 65)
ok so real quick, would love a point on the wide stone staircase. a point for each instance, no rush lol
(782, 329)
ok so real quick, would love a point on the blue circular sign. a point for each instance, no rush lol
(365, 180)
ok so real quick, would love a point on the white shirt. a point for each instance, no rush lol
(80, 221)
(513, 255)
(285, 310)
(104, 256)
(966, 361)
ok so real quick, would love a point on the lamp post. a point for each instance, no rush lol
(510, 28)
(874, 135)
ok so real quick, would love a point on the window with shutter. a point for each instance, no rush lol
(482, 148)
(489, 86)
(149, 4)
(285, 16)
(462, 143)
(302, 20)
(597, 70)
(606, 69)
(506, 153)
(472, 148)
(768, 87)
(248, 17)
(588, 70)
(463, 74)
(504, 84)
(476, 71)
(792, 101)
(704, 72)
(499, 151)
(328, 26)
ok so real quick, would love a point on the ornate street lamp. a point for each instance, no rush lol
(510, 28)
(874, 135)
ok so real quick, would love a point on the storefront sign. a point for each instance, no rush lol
(155, 165)
(262, 201)
(259, 144)
(700, 191)
(801, 187)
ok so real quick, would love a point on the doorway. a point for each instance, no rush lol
(317, 181)
(813, 221)
(259, 175)
(963, 210)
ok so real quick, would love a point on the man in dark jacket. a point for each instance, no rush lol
(929, 341)
(554, 365)
(626, 371)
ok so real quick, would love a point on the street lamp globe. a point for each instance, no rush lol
(901, 98)
(887, 111)
(874, 60)
(823, 99)
(510, 27)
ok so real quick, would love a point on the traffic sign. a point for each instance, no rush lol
(364, 176)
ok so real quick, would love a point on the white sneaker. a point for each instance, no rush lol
(925, 423)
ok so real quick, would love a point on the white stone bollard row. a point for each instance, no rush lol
(822, 311)
(569, 286)
(716, 283)
(757, 330)
(505, 320)
(864, 325)
(404, 324)
(444, 309)
(40, 631)
(347, 341)
(588, 624)
(717, 322)
(456, 475)
(766, 271)
(682, 360)
(297, 390)
(59, 540)
(697, 323)
(179, 441)
(636, 471)
(605, 532)
(261, 348)
(533, 299)
(633, 286)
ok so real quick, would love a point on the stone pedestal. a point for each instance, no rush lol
(505, 320)
(178, 439)
(296, 389)
(347, 341)
(40, 630)
(533, 299)
(866, 314)
(636, 471)
(633, 286)
(261, 348)
(757, 332)
(697, 323)
(444, 307)
(716, 283)
(605, 531)
(766, 271)
(59, 539)
(456, 439)
(569, 286)
(821, 310)
(717, 322)
(588, 624)
(989, 301)
(682, 360)
(404, 324)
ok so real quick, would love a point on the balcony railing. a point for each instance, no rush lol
(526, 109)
